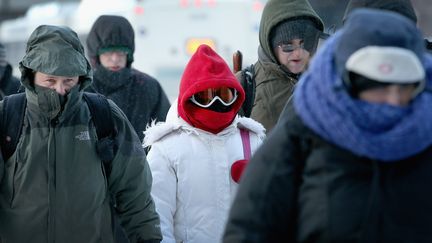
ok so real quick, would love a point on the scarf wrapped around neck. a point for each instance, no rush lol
(107, 82)
(376, 131)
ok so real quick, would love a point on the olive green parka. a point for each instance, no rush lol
(54, 187)
(274, 84)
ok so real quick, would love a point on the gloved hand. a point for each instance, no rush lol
(237, 169)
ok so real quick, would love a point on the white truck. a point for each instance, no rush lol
(167, 32)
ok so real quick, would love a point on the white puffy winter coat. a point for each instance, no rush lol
(192, 185)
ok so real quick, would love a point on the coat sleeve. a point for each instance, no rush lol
(162, 106)
(164, 190)
(130, 181)
(265, 206)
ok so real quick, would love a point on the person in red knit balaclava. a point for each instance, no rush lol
(207, 71)
(197, 156)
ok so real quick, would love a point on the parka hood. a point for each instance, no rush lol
(277, 11)
(403, 7)
(110, 31)
(384, 33)
(159, 130)
(55, 50)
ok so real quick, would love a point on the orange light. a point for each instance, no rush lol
(212, 3)
(139, 10)
(193, 43)
(184, 3)
(198, 3)
(258, 6)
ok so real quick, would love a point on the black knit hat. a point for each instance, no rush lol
(296, 28)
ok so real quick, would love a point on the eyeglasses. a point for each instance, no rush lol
(291, 47)
(227, 96)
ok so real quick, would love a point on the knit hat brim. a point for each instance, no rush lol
(296, 28)
(386, 64)
(125, 49)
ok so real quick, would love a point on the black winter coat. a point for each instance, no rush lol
(141, 98)
(8, 83)
(139, 95)
(300, 188)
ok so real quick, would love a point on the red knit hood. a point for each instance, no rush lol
(206, 69)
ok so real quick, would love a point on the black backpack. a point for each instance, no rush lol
(14, 112)
(247, 81)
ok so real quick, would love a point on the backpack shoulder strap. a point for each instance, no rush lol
(102, 119)
(246, 143)
(248, 83)
(101, 114)
(106, 149)
(12, 122)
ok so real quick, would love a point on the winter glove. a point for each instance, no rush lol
(237, 169)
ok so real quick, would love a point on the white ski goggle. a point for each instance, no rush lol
(227, 96)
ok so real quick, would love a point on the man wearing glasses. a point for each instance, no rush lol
(288, 36)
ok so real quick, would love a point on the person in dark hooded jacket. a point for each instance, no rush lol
(403, 7)
(8, 83)
(288, 36)
(111, 46)
(349, 160)
(54, 187)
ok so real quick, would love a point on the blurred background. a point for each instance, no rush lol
(167, 32)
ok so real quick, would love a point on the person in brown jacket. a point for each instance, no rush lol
(288, 36)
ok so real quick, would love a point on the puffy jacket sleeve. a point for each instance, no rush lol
(130, 181)
(265, 206)
(164, 189)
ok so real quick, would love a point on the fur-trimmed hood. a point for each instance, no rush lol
(174, 123)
